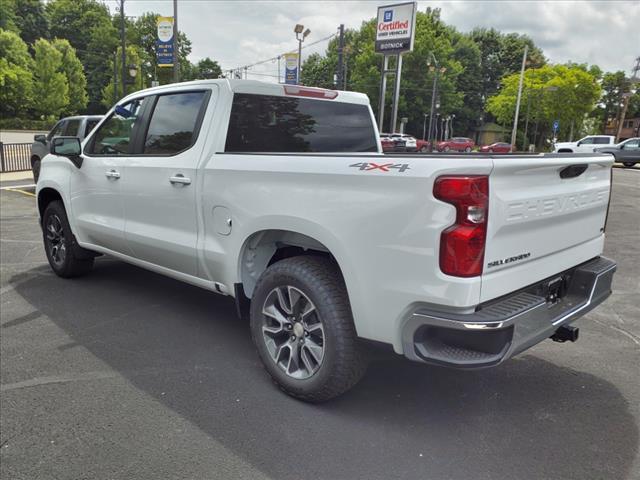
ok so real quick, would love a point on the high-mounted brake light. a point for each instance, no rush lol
(310, 92)
(462, 244)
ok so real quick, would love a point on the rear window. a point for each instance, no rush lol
(601, 141)
(266, 123)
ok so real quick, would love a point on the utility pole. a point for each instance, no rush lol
(515, 120)
(627, 97)
(176, 57)
(124, 53)
(340, 76)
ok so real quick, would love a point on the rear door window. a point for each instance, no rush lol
(601, 141)
(175, 123)
(91, 124)
(267, 123)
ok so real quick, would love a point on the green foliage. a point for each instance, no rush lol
(565, 93)
(50, 82)
(14, 123)
(31, 20)
(72, 68)
(8, 16)
(133, 84)
(16, 79)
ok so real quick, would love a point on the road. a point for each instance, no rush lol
(127, 374)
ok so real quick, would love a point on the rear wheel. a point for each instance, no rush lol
(66, 258)
(491, 150)
(302, 327)
(629, 164)
(446, 149)
(468, 149)
(424, 149)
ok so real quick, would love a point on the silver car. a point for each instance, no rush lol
(79, 126)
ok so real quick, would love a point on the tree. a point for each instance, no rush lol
(31, 20)
(16, 79)
(132, 57)
(50, 82)
(558, 92)
(86, 24)
(72, 68)
(8, 16)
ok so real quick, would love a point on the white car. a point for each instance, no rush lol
(585, 145)
(411, 143)
(280, 197)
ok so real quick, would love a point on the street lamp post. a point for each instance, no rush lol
(436, 69)
(301, 34)
(424, 126)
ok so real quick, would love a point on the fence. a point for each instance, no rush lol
(15, 157)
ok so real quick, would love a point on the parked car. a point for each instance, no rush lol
(79, 126)
(410, 142)
(627, 152)
(458, 144)
(422, 145)
(391, 143)
(585, 145)
(323, 240)
(498, 147)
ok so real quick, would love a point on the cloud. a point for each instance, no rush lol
(237, 33)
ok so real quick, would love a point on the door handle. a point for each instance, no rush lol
(179, 179)
(112, 174)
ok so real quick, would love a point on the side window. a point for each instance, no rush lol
(587, 141)
(72, 128)
(265, 123)
(601, 141)
(114, 135)
(632, 145)
(56, 131)
(91, 124)
(174, 123)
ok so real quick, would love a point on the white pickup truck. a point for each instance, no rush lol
(280, 197)
(587, 144)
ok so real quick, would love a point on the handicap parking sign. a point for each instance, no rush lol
(556, 125)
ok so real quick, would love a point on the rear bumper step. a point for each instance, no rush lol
(501, 329)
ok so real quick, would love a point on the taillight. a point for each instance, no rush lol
(462, 244)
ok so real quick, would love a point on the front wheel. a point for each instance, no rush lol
(302, 327)
(35, 168)
(628, 164)
(65, 257)
(468, 149)
(446, 149)
(424, 149)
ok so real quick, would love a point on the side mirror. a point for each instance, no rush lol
(621, 147)
(578, 144)
(68, 147)
(40, 138)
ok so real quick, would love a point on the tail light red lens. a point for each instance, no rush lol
(462, 244)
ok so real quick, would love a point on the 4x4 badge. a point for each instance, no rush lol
(385, 167)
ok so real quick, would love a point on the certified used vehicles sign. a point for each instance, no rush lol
(395, 28)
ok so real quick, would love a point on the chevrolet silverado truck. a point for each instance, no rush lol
(585, 145)
(280, 197)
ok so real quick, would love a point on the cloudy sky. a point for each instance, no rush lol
(241, 32)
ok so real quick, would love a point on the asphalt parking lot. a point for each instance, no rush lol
(127, 374)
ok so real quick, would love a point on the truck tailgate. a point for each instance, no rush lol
(546, 214)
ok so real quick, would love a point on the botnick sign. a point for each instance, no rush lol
(164, 43)
(395, 28)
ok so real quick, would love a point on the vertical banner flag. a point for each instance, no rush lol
(291, 68)
(164, 44)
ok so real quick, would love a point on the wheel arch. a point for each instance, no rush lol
(265, 247)
(47, 195)
(565, 150)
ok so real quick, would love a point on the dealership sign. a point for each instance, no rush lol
(164, 43)
(395, 28)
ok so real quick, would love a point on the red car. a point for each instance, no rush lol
(458, 144)
(498, 147)
(422, 145)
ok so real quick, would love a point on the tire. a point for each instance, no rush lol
(628, 164)
(424, 149)
(66, 258)
(468, 149)
(327, 357)
(446, 149)
(491, 150)
(35, 168)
